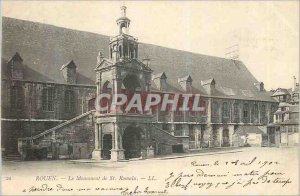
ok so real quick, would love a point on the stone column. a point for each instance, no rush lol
(185, 130)
(250, 113)
(173, 129)
(241, 112)
(259, 113)
(117, 83)
(268, 116)
(116, 153)
(221, 136)
(96, 154)
(209, 122)
(197, 132)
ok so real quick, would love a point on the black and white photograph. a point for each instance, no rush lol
(149, 97)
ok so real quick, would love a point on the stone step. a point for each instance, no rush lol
(12, 157)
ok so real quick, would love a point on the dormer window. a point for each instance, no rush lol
(69, 72)
(186, 83)
(16, 67)
(160, 81)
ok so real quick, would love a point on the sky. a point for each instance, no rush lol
(267, 32)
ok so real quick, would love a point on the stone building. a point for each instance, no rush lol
(56, 84)
(284, 131)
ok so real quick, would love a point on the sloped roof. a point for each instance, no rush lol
(244, 130)
(70, 64)
(290, 122)
(45, 48)
(209, 81)
(294, 108)
(16, 57)
(159, 75)
(280, 91)
(186, 78)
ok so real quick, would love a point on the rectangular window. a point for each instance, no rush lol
(48, 99)
(225, 110)
(236, 110)
(215, 109)
(245, 110)
(69, 101)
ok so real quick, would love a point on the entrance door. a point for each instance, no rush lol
(132, 142)
(80, 151)
(271, 135)
(107, 146)
(226, 138)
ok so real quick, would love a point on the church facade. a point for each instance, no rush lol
(57, 119)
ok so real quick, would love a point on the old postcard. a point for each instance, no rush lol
(150, 98)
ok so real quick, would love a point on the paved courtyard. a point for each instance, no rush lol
(156, 173)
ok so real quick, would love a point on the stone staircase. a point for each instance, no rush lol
(12, 157)
(166, 140)
(41, 140)
(49, 131)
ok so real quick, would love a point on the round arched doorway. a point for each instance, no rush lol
(132, 142)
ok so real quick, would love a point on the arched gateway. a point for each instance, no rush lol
(132, 142)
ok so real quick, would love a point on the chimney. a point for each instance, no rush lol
(260, 86)
(209, 86)
(160, 81)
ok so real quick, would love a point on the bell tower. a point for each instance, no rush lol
(123, 46)
(123, 22)
(121, 73)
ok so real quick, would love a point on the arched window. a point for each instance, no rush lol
(263, 112)
(225, 109)
(236, 110)
(70, 101)
(16, 97)
(48, 99)
(245, 110)
(107, 87)
(125, 50)
(215, 109)
(120, 51)
(131, 51)
(255, 111)
(135, 53)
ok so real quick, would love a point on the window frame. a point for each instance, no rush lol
(69, 101)
(48, 99)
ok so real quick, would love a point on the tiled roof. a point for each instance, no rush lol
(45, 48)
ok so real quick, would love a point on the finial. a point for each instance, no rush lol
(123, 9)
(99, 57)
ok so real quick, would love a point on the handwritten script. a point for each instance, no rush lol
(197, 176)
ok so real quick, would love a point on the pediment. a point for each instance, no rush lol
(104, 63)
